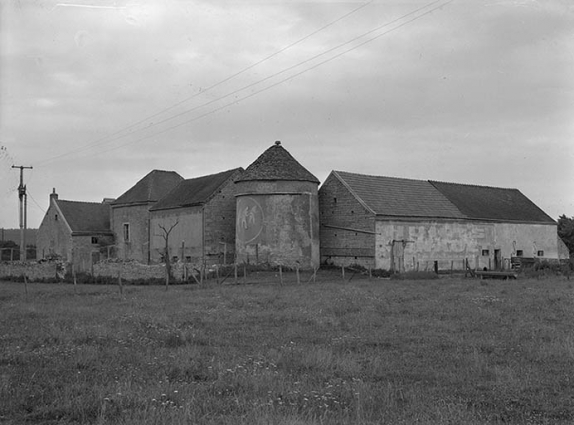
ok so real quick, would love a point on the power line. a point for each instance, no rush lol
(96, 143)
(289, 77)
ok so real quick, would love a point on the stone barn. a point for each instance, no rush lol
(277, 212)
(204, 210)
(76, 232)
(402, 224)
(130, 214)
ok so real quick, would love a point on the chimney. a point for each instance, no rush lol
(53, 195)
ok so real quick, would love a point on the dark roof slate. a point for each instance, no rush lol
(492, 203)
(196, 191)
(277, 164)
(150, 188)
(393, 196)
(86, 217)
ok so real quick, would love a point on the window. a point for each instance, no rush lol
(540, 253)
(94, 240)
(55, 217)
(485, 252)
(126, 232)
(519, 253)
(334, 200)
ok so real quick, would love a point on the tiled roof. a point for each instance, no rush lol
(492, 203)
(195, 191)
(150, 188)
(393, 196)
(277, 164)
(88, 217)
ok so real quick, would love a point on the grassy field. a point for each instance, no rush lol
(447, 351)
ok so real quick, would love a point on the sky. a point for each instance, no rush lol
(95, 94)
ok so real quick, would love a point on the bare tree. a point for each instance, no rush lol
(165, 237)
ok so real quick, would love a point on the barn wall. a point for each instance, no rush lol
(137, 248)
(278, 223)
(220, 224)
(189, 230)
(452, 242)
(347, 227)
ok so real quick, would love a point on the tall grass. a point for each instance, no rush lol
(365, 352)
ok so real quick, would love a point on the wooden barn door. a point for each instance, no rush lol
(398, 256)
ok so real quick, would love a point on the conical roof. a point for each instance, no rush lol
(277, 164)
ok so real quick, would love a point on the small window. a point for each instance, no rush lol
(519, 253)
(126, 232)
(540, 253)
(485, 252)
(55, 217)
(94, 240)
(334, 200)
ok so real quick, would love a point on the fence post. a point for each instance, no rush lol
(343, 272)
(297, 272)
(235, 270)
(75, 281)
(280, 275)
(120, 282)
(26, 285)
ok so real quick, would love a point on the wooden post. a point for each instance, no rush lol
(343, 272)
(120, 282)
(315, 274)
(182, 251)
(235, 269)
(297, 272)
(11, 254)
(217, 273)
(280, 275)
(75, 281)
(224, 252)
(370, 273)
(26, 285)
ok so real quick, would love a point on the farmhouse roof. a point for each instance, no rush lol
(196, 191)
(492, 203)
(393, 196)
(399, 197)
(86, 217)
(277, 164)
(150, 188)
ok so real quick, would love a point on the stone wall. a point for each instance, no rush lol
(137, 216)
(33, 270)
(129, 270)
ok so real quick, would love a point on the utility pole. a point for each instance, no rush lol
(23, 207)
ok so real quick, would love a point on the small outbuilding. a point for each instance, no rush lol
(403, 224)
(277, 212)
(75, 232)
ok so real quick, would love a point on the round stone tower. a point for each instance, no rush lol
(277, 212)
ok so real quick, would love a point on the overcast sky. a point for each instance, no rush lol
(94, 94)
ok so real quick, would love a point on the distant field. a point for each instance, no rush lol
(448, 351)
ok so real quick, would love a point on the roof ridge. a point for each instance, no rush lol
(214, 174)
(473, 185)
(82, 202)
(379, 176)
